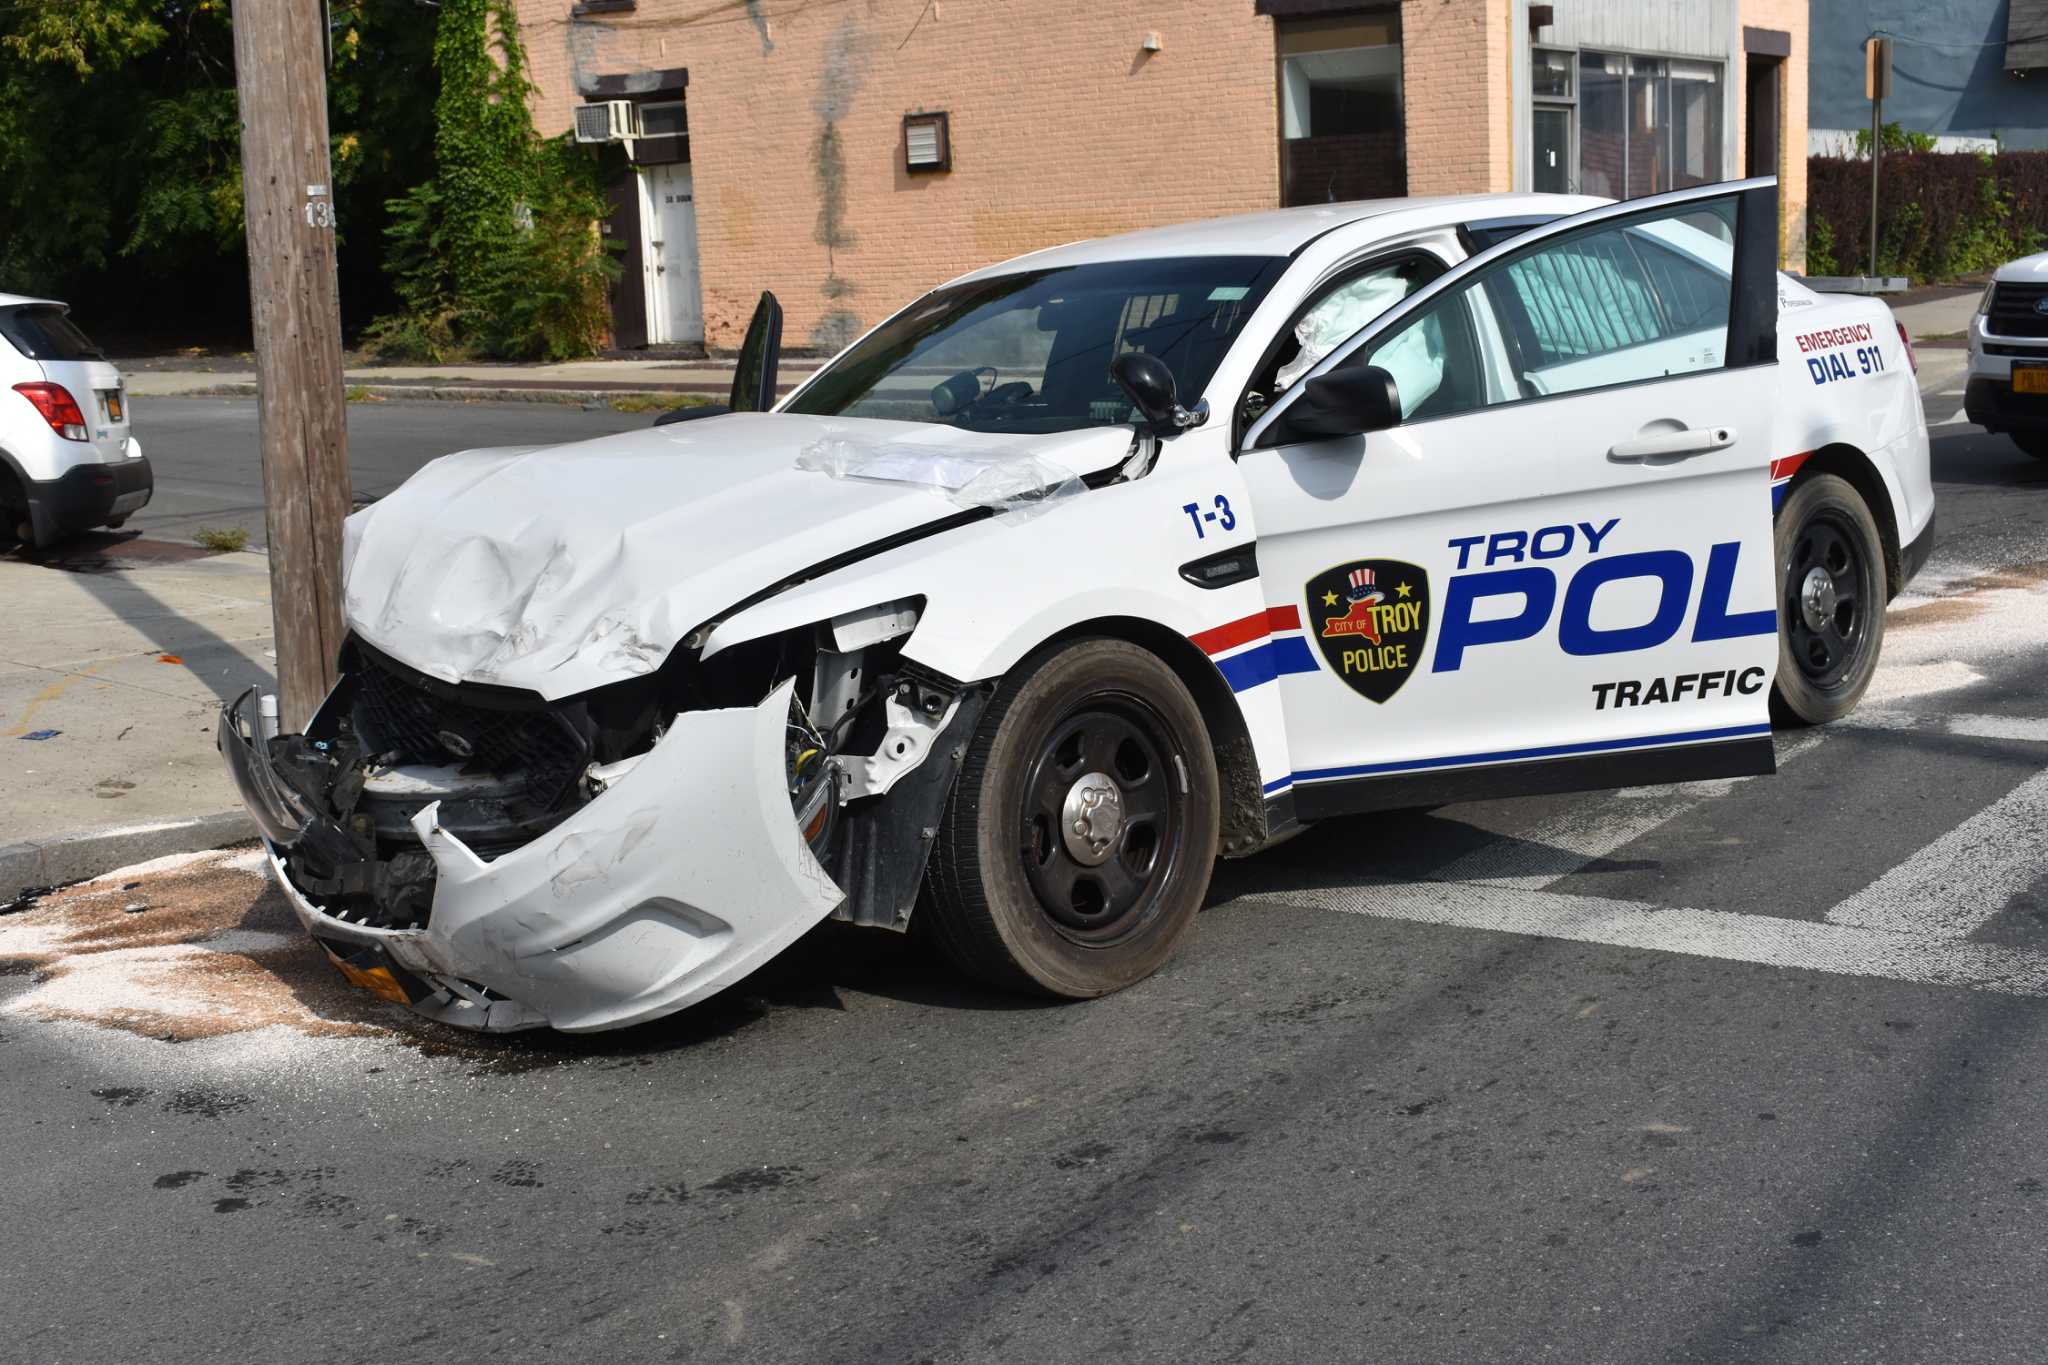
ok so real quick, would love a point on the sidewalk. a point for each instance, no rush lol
(115, 654)
(1938, 313)
(566, 381)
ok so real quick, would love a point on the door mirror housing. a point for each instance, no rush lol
(1348, 401)
(1149, 383)
(753, 374)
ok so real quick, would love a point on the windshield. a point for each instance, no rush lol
(1030, 352)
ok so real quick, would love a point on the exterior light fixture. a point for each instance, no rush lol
(927, 143)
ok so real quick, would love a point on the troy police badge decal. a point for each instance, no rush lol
(1370, 618)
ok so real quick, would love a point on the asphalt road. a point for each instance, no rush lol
(1738, 1071)
(209, 472)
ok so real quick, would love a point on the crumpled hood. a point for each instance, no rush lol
(563, 568)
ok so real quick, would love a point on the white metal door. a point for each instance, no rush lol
(1564, 548)
(668, 214)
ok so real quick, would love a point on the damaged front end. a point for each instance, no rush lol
(496, 860)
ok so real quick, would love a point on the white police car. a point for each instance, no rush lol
(2007, 389)
(1083, 569)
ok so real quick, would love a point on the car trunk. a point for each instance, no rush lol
(46, 335)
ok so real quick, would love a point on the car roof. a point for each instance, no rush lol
(1283, 232)
(9, 300)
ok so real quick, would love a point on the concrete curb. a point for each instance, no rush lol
(75, 857)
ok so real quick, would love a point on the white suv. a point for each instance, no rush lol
(67, 462)
(2008, 385)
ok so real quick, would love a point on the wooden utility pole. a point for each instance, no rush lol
(294, 306)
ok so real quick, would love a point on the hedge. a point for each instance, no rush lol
(1942, 214)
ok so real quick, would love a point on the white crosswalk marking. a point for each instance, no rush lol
(1765, 939)
(1952, 886)
(1910, 925)
(1971, 727)
(1557, 848)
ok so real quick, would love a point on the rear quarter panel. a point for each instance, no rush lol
(1844, 378)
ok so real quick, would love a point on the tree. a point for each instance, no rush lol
(495, 254)
(134, 213)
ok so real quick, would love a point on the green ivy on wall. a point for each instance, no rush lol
(497, 255)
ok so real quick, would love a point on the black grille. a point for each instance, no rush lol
(424, 726)
(2012, 311)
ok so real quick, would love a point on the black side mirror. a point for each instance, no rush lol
(753, 374)
(1149, 382)
(1348, 401)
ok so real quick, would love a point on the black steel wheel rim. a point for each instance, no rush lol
(1122, 738)
(1827, 628)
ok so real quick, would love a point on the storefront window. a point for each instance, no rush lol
(1647, 124)
(1550, 75)
(1340, 110)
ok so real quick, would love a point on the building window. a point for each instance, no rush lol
(665, 118)
(1340, 109)
(1647, 124)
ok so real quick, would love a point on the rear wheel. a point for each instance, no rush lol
(1831, 600)
(1079, 839)
(2035, 443)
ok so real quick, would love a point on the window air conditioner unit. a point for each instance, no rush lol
(608, 121)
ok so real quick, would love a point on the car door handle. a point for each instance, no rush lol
(1673, 444)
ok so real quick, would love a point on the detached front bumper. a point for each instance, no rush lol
(683, 875)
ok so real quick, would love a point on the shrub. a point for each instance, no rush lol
(1941, 214)
(497, 255)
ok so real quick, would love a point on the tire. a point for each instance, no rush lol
(1008, 898)
(1831, 601)
(2035, 443)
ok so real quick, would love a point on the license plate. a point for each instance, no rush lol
(2030, 379)
(113, 397)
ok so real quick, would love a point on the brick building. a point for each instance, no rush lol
(848, 154)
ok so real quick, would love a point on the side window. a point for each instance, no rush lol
(1340, 312)
(1621, 304)
(1437, 359)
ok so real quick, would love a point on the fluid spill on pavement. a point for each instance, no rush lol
(218, 952)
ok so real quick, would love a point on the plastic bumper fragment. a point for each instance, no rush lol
(270, 803)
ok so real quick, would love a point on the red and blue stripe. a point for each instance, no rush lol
(1258, 648)
(1781, 475)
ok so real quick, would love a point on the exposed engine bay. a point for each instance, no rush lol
(501, 766)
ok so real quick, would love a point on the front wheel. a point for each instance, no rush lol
(1831, 600)
(1079, 839)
